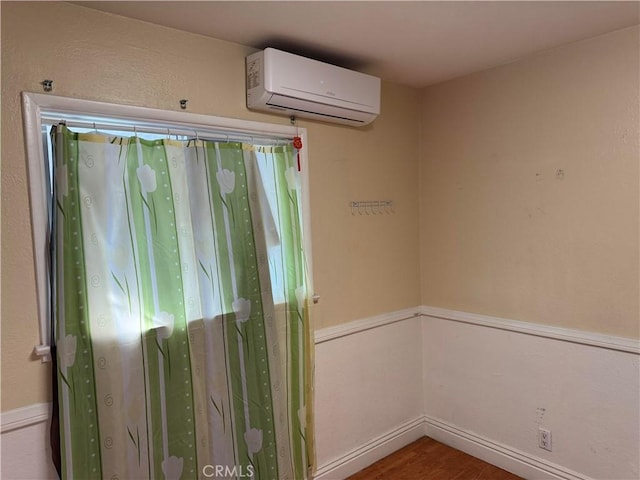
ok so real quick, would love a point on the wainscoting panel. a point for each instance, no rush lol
(25, 444)
(481, 384)
(368, 394)
(489, 386)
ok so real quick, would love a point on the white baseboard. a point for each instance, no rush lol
(503, 456)
(371, 451)
(500, 455)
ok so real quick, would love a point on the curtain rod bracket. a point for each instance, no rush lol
(47, 85)
(44, 352)
(183, 104)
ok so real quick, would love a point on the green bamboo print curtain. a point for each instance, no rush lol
(174, 359)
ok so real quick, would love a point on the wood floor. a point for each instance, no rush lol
(426, 459)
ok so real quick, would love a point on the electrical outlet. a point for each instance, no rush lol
(544, 439)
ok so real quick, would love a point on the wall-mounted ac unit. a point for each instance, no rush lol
(287, 84)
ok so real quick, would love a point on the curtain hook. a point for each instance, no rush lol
(94, 128)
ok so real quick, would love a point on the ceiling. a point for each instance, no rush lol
(415, 43)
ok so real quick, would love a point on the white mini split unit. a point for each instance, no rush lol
(287, 84)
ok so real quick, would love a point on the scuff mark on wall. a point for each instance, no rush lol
(540, 411)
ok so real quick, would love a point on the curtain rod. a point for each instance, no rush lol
(165, 128)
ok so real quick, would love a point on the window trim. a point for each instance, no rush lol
(35, 106)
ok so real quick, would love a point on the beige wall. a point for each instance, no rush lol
(362, 266)
(496, 229)
(529, 188)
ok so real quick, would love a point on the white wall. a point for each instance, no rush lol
(24, 444)
(501, 386)
(482, 384)
(368, 392)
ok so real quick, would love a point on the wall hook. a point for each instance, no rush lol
(183, 104)
(47, 85)
(372, 207)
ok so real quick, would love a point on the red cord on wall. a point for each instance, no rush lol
(297, 144)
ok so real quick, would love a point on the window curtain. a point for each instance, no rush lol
(173, 359)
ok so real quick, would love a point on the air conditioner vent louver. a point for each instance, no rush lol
(293, 85)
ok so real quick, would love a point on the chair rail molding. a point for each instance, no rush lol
(24, 416)
(583, 337)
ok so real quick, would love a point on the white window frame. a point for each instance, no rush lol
(38, 106)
